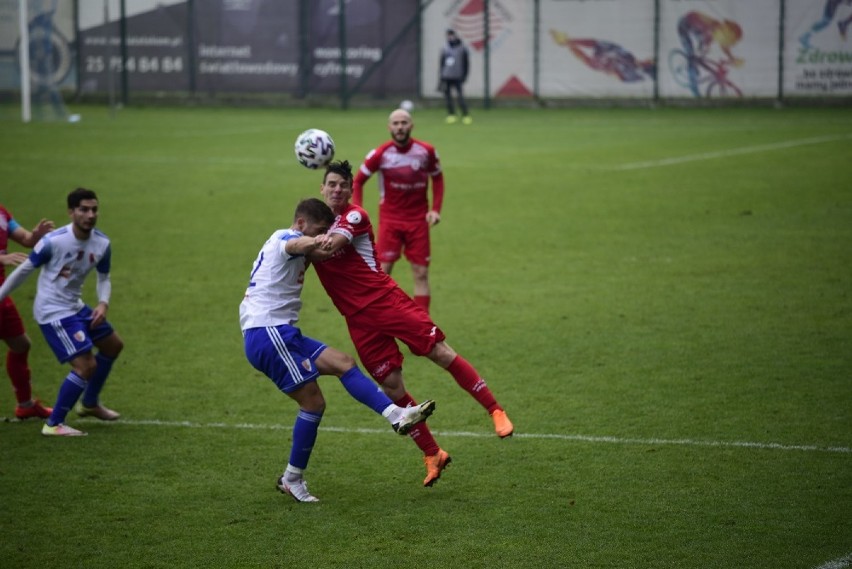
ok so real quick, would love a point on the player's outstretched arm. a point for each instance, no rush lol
(17, 278)
(13, 259)
(30, 238)
(305, 244)
(335, 241)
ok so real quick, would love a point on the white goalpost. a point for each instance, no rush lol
(44, 58)
(24, 31)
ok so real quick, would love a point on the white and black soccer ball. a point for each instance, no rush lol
(314, 148)
(407, 105)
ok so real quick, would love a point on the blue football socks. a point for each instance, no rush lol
(364, 390)
(304, 436)
(93, 390)
(69, 392)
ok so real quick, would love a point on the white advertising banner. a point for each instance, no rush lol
(719, 48)
(818, 48)
(597, 49)
(510, 24)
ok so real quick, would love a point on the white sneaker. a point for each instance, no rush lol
(61, 430)
(414, 415)
(298, 490)
(99, 412)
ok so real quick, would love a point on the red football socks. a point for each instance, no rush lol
(467, 378)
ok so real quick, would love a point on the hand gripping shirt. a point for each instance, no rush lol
(353, 277)
(65, 261)
(273, 296)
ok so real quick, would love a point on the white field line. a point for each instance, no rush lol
(840, 563)
(14, 159)
(726, 153)
(552, 436)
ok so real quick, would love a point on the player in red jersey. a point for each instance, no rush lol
(405, 166)
(378, 313)
(11, 326)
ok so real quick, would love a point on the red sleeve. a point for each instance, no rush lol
(371, 164)
(358, 188)
(437, 191)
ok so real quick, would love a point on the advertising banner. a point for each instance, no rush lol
(719, 48)
(381, 47)
(157, 49)
(247, 46)
(510, 24)
(253, 46)
(818, 48)
(597, 49)
(550, 48)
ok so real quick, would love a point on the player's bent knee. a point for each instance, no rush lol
(442, 354)
(19, 344)
(334, 362)
(111, 346)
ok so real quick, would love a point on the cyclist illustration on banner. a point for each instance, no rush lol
(693, 68)
(829, 13)
(608, 57)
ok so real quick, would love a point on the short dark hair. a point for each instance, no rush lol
(315, 210)
(343, 168)
(78, 195)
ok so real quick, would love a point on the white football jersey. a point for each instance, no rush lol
(65, 261)
(273, 296)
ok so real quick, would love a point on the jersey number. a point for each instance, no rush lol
(257, 265)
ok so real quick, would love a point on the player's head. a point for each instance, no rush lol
(452, 37)
(83, 209)
(78, 195)
(312, 217)
(340, 167)
(400, 125)
(728, 33)
(337, 184)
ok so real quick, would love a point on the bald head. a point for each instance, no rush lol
(400, 125)
(399, 114)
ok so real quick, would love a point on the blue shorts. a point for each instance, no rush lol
(283, 355)
(74, 335)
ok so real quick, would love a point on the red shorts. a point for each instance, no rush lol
(413, 238)
(11, 325)
(375, 329)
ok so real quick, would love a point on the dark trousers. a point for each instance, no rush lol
(449, 85)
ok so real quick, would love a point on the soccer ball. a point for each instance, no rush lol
(406, 105)
(314, 148)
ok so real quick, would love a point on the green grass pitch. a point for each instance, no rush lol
(661, 299)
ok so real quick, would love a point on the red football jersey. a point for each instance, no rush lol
(353, 277)
(5, 220)
(403, 179)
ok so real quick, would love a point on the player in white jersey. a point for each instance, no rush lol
(66, 256)
(276, 347)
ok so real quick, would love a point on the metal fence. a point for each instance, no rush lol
(348, 51)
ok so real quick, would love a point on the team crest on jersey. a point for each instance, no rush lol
(79, 336)
(353, 217)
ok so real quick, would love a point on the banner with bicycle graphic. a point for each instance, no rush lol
(648, 49)
(519, 49)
